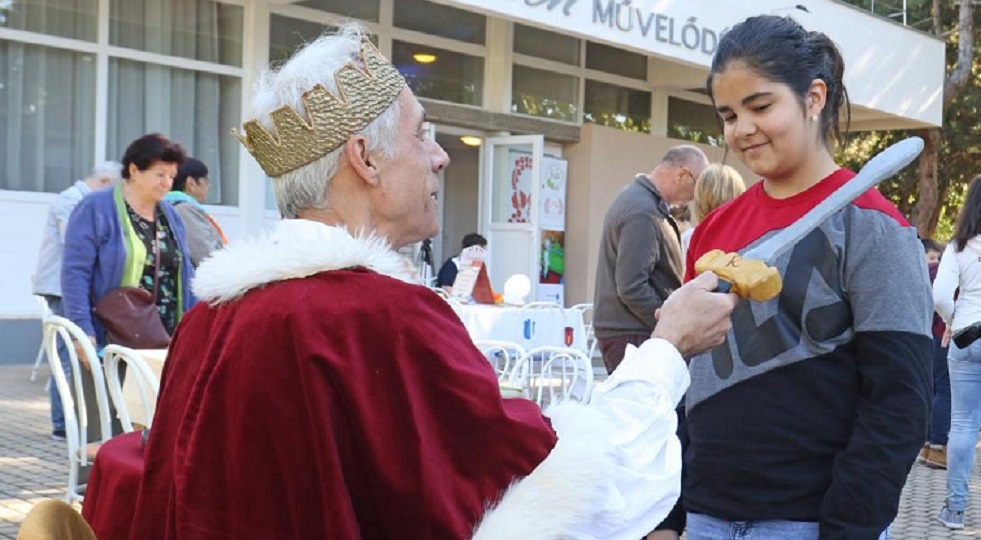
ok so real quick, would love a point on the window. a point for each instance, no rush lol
(287, 34)
(693, 122)
(544, 93)
(365, 10)
(75, 19)
(616, 61)
(193, 108)
(440, 20)
(197, 29)
(47, 117)
(440, 74)
(544, 44)
(616, 106)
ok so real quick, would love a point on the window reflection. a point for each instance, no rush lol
(440, 74)
(618, 107)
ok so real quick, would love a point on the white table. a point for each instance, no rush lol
(529, 328)
(154, 358)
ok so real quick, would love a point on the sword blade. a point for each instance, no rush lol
(884, 165)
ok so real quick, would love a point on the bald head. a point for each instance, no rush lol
(674, 176)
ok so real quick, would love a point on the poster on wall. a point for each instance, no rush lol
(551, 212)
(551, 278)
(519, 191)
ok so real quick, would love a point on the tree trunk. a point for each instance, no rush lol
(926, 213)
(927, 204)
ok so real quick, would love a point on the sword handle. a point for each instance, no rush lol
(724, 286)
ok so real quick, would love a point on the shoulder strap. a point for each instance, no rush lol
(156, 257)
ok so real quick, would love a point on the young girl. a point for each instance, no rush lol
(805, 423)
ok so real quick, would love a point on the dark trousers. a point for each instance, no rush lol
(613, 350)
(940, 417)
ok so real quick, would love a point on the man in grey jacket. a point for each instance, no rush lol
(640, 264)
(188, 194)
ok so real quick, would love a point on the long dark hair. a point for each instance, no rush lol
(781, 50)
(969, 219)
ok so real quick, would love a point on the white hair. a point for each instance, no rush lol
(112, 170)
(314, 64)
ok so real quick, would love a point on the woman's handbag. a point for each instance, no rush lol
(968, 335)
(129, 314)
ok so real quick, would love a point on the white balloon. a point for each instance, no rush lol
(516, 289)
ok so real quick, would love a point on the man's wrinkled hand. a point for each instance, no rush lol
(693, 318)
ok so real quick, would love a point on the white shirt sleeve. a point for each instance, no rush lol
(615, 472)
(948, 277)
(638, 401)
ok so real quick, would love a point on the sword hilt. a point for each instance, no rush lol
(724, 286)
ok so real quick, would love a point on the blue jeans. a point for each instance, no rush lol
(703, 527)
(965, 420)
(940, 418)
(57, 409)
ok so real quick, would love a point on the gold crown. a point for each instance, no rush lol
(363, 95)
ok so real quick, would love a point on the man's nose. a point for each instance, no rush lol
(441, 160)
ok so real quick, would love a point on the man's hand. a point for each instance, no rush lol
(80, 353)
(693, 319)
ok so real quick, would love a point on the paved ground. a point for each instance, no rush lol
(33, 468)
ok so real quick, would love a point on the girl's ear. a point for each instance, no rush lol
(816, 99)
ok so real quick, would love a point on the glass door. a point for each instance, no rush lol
(510, 172)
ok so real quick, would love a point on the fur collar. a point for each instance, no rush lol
(296, 248)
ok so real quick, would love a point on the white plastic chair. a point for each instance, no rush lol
(502, 355)
(586, 313)
(541, 305)
(552, 374)
(45, 310)
(80, 452)
(146, 381)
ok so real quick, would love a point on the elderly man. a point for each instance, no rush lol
(317, 392)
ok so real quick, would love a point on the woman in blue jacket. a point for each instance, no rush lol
(110, 240)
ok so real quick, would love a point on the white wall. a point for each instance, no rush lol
(889, 68)
(22, 220)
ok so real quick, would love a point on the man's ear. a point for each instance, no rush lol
(356, 152)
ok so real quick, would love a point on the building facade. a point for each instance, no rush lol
(605, 85)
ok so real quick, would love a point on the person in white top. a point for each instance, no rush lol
(47, 276)
(960, 268)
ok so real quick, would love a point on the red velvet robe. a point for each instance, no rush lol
(342, 405)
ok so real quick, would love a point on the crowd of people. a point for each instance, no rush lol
(799, 417)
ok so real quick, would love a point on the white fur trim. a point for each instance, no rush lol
(296, 248)
(560, 497)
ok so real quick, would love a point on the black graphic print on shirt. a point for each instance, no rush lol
(170, 263)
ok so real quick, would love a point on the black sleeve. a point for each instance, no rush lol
(447, 274)
(889, 430)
